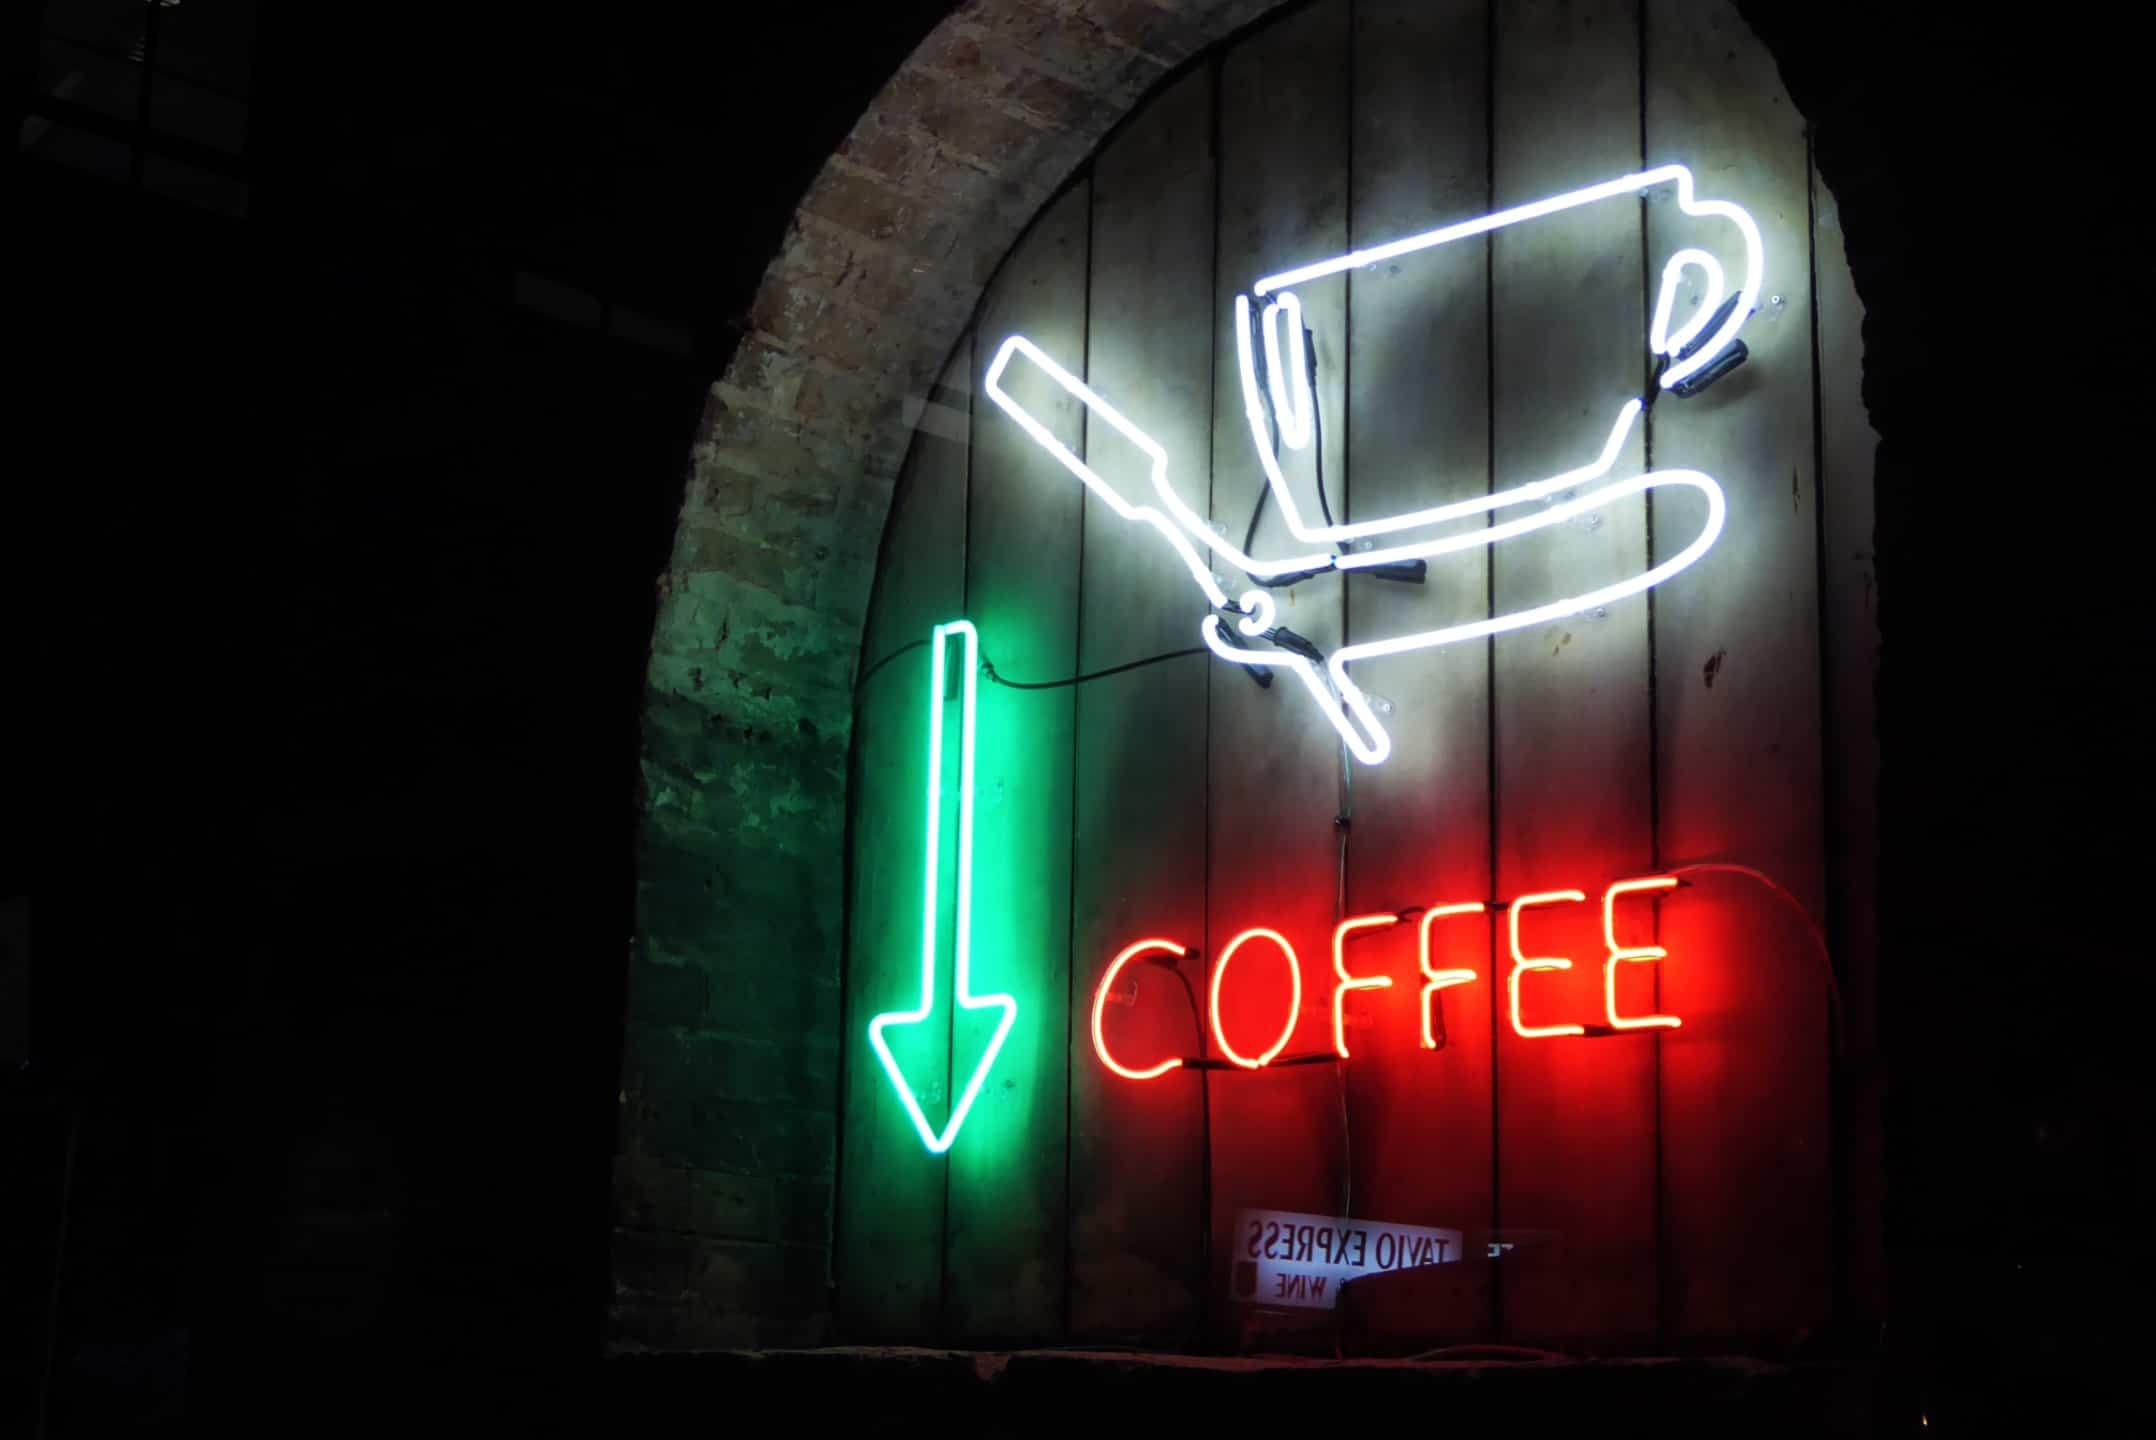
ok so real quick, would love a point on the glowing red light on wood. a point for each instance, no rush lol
(1522, 964)
(1434, 979)
(1621, 953)
(1295, 1005)
(1348, 982)
(1100, 1001)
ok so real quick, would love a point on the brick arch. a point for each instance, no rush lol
(722, 1200)
(881, 266)
(722, 1205)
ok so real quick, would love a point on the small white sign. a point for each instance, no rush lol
(1286, 1258)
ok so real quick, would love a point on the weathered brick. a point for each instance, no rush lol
(770, 377)
(1044, 33)
(956, 51)
(849, 339)
(881, 145)
(769, 903)
(802, 1209)
(901, 288)
(710, 547)
(841, 399)
(673, 730)
(698, 800)
(664, 1265)
(796, 999)
(754, 641)
(676, 890)
(815, 252)
(1054, 101)
(794, 537)
(846, 591)
(669, 1061)
(637, 1324)
(668, 994)
(740, 1136)
(982, 134)
(731, 1072)
(650, 1196)
(1163, 33)
(751, 701)
(857, 203)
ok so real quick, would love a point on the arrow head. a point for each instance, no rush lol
(939, 1142)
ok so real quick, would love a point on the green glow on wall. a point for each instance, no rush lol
(938, 1142)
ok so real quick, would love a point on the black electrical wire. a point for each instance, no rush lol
(989, 669)
(1289, 580)
(1317, 426)
(1250, 535)
(869, 673)
(1819, 935)
(1257, 513)
(1257, 510)
(1317, 440)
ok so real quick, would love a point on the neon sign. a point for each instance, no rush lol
(1284, 399)
(1434, 979)
(1295, 1004)
(1100, 1001)
(1620, 955)
(939, 1141)
(1345, 982)
(1524, 965)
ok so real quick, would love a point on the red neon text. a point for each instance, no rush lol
(1100, 1000)
(1434, 979)
(1434, 976)
(1523, 965)
(1348, 982)
(1620, 953)
(1295, 1004)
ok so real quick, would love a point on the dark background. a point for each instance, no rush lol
(355, 382)
(366, 401)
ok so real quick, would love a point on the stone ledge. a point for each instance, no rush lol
(1031, 1392)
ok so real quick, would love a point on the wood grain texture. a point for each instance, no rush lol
(1418, 415)
(890, 1195)
(1850, 674)
(1575, 1116)
(1006, 1217)
(1137, 1181)
(1275, 763)
(1745, 1133)
(1657, 1190)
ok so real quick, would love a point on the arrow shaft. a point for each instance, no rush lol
(962, 951)
(932, 880)
(934, 857)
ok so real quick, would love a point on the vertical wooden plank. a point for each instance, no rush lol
(1275, 761)
(888, 1253)
(1137, 1163)
(1850, 652)
(1421, 821)
(1745, 1127)
(1007, 1198)
(1576, 1116)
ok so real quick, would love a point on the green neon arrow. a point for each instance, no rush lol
(962, 979)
